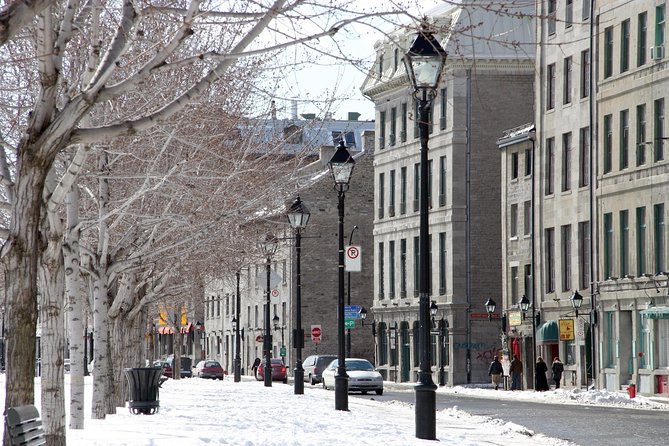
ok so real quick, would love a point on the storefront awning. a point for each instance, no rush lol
(548, 333)
(656, 313)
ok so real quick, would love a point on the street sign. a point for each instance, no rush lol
(282, 351)
(259, 338)
(352, 311)
(316, 334)
(349, 323)
(352, 262)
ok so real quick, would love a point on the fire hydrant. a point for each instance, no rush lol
(631, 389)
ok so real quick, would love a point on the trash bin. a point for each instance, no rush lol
(143, 389)
(631, 389)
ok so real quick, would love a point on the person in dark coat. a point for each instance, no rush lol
(256, 363)
(557, 368)
(496, 372)
(516, 371)
(541, 383)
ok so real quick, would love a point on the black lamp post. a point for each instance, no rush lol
(236, 322)
(524, 304)
(341, 166)
(576, 301)
(298, 216)
(348, 293)
(490, 306)
(269, 247)
(424, 62)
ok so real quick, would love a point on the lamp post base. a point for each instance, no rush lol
(426, 424)
(341, 392)
(238, 369)
(298, 375)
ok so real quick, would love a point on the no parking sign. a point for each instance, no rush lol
(353, 261)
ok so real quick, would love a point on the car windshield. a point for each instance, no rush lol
(354, 364)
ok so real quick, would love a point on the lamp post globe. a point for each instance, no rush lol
(424, 62)
(524, 304)
(341, 167)
(490, 306)
(298, 216)
(268, 246)
(576, 301)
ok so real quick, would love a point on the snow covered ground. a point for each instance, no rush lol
(204, 412)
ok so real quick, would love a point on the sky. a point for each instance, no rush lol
(198, 412)
(312, 86)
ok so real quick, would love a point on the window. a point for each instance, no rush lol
(381, 268)
(566, 78)
(659, 130)
(658, 216)
(608, 52)
(640, 134)
(393, 126)
(568, 13)
(610, 337)
(403, 124)
(659, 25)
(585, 73)
(429, 184)
(391, 194)
(584, 254)
(528, 281)
(403, 190)
(443, 108)
(528, 162)
(584, 157)
(442, 181)
(624, 138)
(514, 165)
(642, 38)
(391, 269)
(514, 284)
(608, 245)
(382, 354)
(527, 217)
(382, 129)
(416, 187)
(396, 59)
(550, 259)
(550, 160)
(403, 268)
(566, 161)
(349, 138)
(550, 87)
(552, 6)
(382, 194)
(442, 263)
(380, 67)
(585, 11)
(641, 241)
(566, 257)
(624, 46)
(608, 142)
(416, 265)
(624, 243)
(513, 229)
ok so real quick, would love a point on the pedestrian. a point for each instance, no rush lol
(516, 370)
(557, 368)
(256, 363)
(496, 371)
(541, 383)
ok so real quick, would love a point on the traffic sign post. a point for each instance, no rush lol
(352, 262)
(316, 334)
(349, 323)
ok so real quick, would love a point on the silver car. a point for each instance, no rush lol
(362, 377)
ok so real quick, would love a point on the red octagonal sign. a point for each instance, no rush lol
(316, 332)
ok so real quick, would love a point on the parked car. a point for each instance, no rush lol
(279, 371)
(314, 366)
(209, 368)
(362, 377)
(167, 365)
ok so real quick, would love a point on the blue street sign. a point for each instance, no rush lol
(352, 308)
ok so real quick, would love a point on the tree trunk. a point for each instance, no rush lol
(51, 272)
(101, 368)
(74, 310)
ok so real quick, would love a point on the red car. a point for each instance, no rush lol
(279, 371)
(209, 368)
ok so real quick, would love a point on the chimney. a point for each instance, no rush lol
(294, 109)
(353, 116)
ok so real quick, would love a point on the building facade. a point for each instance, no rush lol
(487, 85)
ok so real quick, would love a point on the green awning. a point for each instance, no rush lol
(656, 313)
(548, 333)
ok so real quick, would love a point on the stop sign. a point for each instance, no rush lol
(316, 332)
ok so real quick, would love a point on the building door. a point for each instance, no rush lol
(405, 358)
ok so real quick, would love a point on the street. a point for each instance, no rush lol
(583, 425)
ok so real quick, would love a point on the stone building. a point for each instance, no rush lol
(487, 87)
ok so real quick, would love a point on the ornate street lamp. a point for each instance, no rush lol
(268, 247)
(236, 322)
(490, 306)
(298, 217)
(424, 62)
(341, 167)
(524, 304)
(576, 301)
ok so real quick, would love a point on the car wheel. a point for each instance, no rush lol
(324, 386)
(379, 392)
(285, 381)
(364, 392)
(312, 380)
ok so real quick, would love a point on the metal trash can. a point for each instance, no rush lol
(143, 389)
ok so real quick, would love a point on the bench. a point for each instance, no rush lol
(24, 426)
